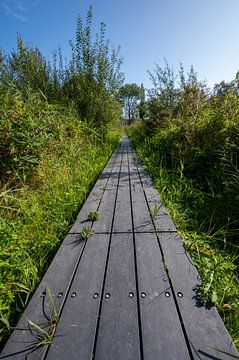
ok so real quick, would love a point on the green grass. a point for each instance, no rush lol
(40, 199)
(94, 216)
(45, 332)
(203, 218)
(86, 232)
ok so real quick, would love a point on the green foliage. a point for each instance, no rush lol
(45, 332)
(86, 232)
(130, 95)
(164, 91)
(90, 80)
(94, 215)
(168, 100)
(155, 211)
(25, 68)
(94, 76)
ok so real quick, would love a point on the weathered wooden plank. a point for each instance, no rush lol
(64, 265)
(75, 334)
(118, 335)
(203, 325)
(106, 208)
(161, 329)
(142, 220)
(123, 219)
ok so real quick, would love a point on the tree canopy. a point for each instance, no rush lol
(131, 95)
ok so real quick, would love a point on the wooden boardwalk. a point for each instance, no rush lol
(129, 291)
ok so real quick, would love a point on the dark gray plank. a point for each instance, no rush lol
(64, 265)
(123, 220)
(142, 220)
(204, 326)
(118, 336)
(161, 329)
(107, 204)
(76, 330)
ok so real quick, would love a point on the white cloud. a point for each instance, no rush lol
(18, 9)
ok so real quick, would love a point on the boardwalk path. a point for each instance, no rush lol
(129, 291)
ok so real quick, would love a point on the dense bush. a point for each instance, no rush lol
(90, 80)
(198, 130)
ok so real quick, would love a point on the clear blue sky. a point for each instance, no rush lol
(203, 33)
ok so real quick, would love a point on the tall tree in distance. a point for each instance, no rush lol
(130, 95)
(94, 75)
(143, 106)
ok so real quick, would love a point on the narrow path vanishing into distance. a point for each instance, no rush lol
(128, 292)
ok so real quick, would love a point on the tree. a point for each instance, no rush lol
(143, 106)
(130, 95)
(163, 80)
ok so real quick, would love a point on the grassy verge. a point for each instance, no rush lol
(197, 214)
(58, 159)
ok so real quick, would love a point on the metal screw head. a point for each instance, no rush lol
(180, 295)
(131, 295)
(73, 295)
(107, 295)
(167, 294)
(143, 295)
(60, 295)
(96, 295)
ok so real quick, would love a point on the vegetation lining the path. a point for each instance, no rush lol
(58, 127)
(189, 144)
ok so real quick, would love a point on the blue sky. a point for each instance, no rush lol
(203, 33)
